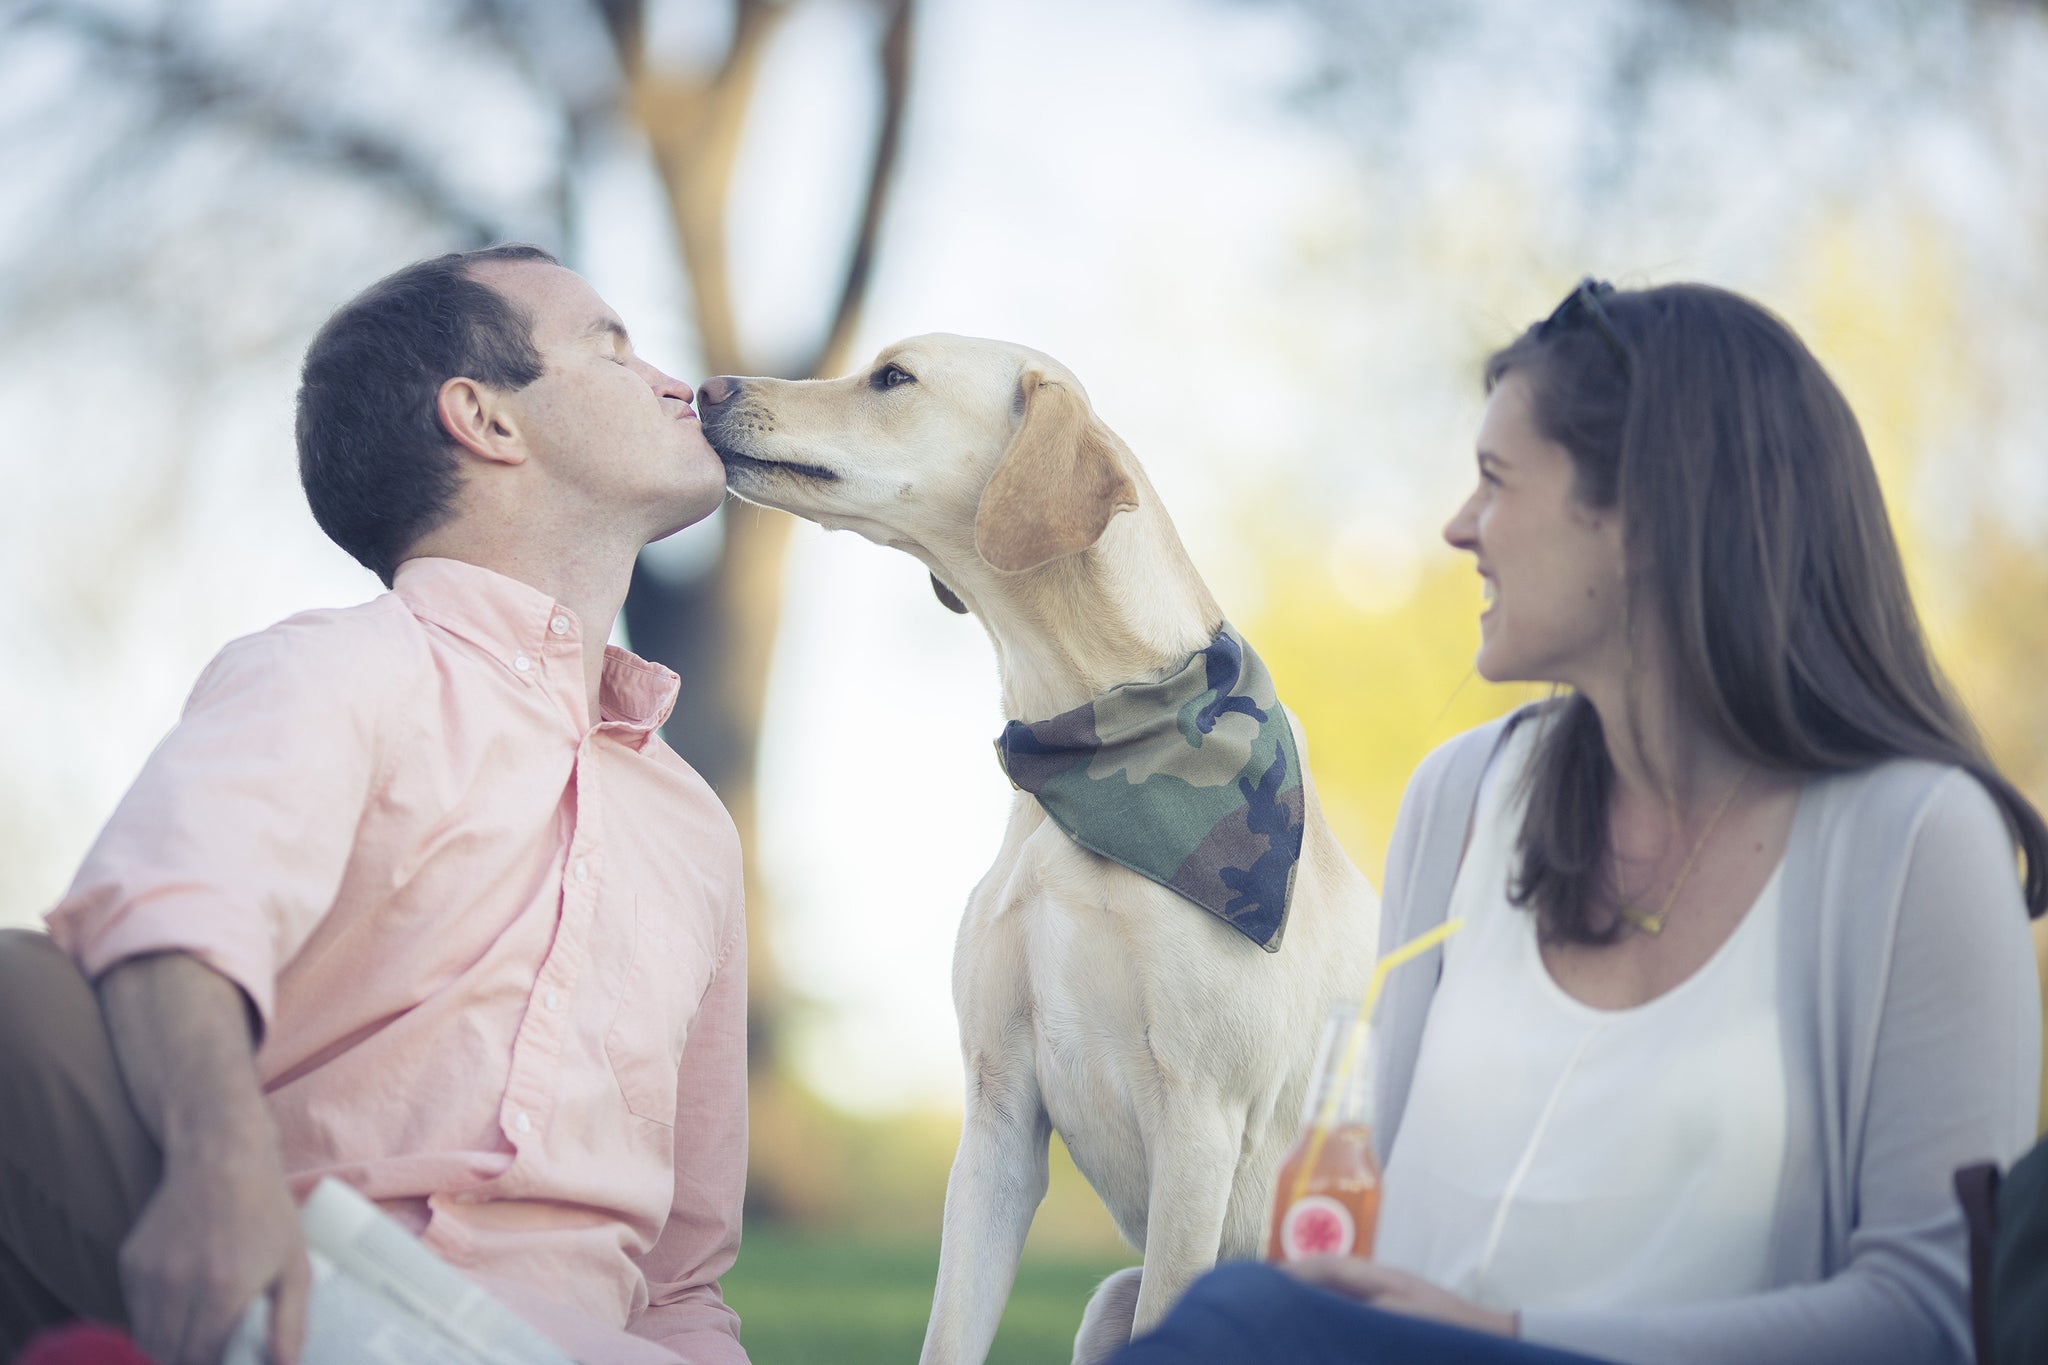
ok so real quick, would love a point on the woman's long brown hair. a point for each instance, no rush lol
(1751, 505)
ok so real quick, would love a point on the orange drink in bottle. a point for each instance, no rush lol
(1326, 1201)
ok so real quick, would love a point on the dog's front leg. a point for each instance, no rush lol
(1192, 1149)
(998, 1179)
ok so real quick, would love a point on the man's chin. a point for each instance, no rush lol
(696, 511)
(691, 504)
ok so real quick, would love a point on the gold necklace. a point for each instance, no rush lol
(1653, 924)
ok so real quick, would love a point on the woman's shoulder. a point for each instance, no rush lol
(1890, 801)
(1429, 833)
(1458, 764)
(1919, 839)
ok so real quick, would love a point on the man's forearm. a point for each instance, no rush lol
(220, 1228)
(181, 1033)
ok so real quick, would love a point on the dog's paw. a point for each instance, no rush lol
(1106, 1326)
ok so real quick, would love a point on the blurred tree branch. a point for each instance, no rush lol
(190, 85)
(694, 128)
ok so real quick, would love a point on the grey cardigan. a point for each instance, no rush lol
(1912, 1023)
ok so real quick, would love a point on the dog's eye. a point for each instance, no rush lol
(889, 376)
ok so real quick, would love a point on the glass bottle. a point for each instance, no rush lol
(1326, 1201)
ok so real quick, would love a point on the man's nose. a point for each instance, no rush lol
(720, 388)
(664, 384)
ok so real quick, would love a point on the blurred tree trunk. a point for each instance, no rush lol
(717, 631)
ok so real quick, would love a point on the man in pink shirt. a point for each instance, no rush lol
(414, 895)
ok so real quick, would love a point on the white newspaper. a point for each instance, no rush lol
(380, 1298)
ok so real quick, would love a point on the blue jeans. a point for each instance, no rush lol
(1251, 1314)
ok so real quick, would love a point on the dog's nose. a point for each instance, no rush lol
(720, 388)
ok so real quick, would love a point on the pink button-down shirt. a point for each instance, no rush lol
(499, 953)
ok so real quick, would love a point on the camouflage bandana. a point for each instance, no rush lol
(1191, 781)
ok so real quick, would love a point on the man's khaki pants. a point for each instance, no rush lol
(76, 1165)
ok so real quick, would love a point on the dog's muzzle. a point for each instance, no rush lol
(732, 423)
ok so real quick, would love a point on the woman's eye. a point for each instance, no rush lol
(892, 375)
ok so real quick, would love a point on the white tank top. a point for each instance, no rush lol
(1554, 1155)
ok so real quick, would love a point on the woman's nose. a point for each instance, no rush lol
(1462, 530)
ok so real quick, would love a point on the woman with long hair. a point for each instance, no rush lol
(1745, 973)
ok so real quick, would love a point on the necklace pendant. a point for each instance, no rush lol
(1643, 920)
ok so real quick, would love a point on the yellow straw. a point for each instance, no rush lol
(1327, 1115)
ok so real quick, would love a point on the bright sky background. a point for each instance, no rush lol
(1258, 308)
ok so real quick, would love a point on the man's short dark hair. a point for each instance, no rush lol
(378, 469)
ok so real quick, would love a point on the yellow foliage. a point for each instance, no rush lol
(1375, 690)
(1997, 637)
(1880, 310)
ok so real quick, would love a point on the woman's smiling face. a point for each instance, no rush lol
(1553, 568)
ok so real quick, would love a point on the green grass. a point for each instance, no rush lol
(819, 1301)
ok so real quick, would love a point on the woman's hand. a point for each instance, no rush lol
(1399, 1292)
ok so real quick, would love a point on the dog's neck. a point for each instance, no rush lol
(1130, 608)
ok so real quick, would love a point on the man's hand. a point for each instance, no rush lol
(221, 1227)
(217, 1233)
(1399, 1292)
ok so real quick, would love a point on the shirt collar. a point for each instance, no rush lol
(636, 692)
(512, 621)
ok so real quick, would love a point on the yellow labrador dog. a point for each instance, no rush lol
(1169, 1052)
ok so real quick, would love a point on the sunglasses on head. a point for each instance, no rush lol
(1583, 304)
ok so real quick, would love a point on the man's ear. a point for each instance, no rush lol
(1058, 485)
(476, 417)
(948, 596)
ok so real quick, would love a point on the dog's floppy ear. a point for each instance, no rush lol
(948, 596)
(1058, 485)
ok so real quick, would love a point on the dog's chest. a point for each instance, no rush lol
(1093, 1073)
(1116, 980)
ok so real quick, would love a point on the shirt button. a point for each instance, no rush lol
(554, 1001)
(523, 1123)
(560, 625)
(522, 663)
(582, 872)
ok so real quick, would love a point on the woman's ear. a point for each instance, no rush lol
(1058, 485)
(476, 417)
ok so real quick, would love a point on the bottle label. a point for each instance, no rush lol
(1317, 1225)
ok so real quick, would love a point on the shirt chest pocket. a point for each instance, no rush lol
(665, 975)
